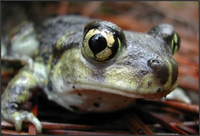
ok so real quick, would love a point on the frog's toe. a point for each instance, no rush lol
(31, 118)
(18, 123)
(18, 117)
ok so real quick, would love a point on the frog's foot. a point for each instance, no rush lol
(18, 117)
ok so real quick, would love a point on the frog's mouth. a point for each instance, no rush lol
(123, 92)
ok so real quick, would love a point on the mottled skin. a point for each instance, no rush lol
(142, 68)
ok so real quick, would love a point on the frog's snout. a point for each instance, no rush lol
(160, 69)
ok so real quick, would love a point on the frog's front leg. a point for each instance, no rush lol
(18, 92)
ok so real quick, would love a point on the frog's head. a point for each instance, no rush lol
(127, 63)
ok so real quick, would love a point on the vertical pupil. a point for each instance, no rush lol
(97, 43)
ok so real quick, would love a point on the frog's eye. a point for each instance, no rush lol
(101, 43)
(175, 43)
(166, 32)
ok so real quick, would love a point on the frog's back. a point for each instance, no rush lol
(54, 28)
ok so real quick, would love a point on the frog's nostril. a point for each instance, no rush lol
(153, 63)
(160, 69)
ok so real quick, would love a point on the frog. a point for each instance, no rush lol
(87, 65)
